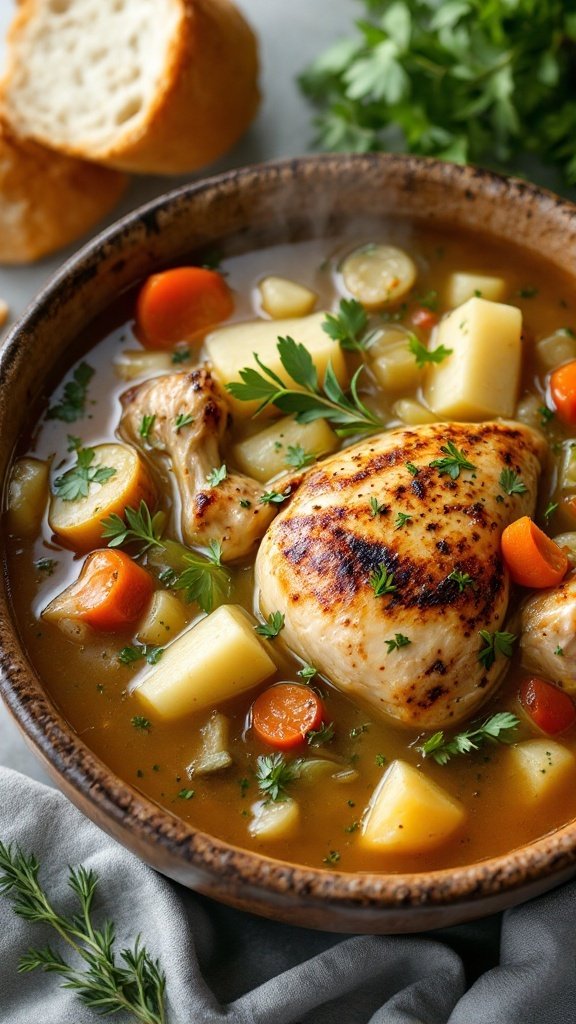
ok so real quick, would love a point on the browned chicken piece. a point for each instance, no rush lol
(548, 640)
(190, 419)
(386, 506)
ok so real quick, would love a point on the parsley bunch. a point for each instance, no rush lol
(464, 80)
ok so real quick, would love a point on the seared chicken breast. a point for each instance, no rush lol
(386, 564)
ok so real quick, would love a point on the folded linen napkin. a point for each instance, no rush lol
(226, 967)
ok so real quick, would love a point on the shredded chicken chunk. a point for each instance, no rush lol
(549, 633)
(190, 418)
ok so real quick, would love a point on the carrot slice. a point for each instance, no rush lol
(284, 713)
(111, 593)
(533, 559)
(181, 305)
(550, 708)
(563, 392)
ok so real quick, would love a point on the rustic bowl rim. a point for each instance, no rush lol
(118, 801)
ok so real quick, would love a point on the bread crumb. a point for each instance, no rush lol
(4, 312)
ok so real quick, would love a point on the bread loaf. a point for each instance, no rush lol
(48, 200)
(151, 86)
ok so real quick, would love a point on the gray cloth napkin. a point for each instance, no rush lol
(225, 967)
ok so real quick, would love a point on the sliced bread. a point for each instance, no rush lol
(48, 200)
(150, 86)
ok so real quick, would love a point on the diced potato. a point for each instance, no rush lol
(412, 412)
(231, 348)
(479, 380)
(263, 455)
(528, 411)
(540, 768)
(133, 363)
(464, 285)
(210, 662)
(164, 620)
(392, 362)
(408, 813)
(378, 275)
(27, 496)
(214, 754)
(79, 523)
(274, 820)
(280, 297)
(556, 349)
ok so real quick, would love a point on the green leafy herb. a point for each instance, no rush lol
(377, 508)
(494, 644)
(319, 737)
(128, 655)
(454, 462)
(332, 857)
(466, 80)
(381, 760)
(204, 580)
(217, 476)
(348, 415)
(183, 419)
(146, 426)
(142, 723)
(429, 300)
(424, 355)
(72, 405)
(358, 730)
(546, 415)
(274, 774)
(348, 326)
(399, 641)
(402, 519)
(382, 581)
(511, 483)
(462, 579)
(528, 293)
(245, 503)
(133, 984)
(186, 794)
(550, 510)
(46, 565)
(559, 651)
(412, 469)
(307, 672)
(298, 457)
(274, 497)
(138, 526)
(272, 627)
(244, 786)
(442, 750)
(76, 482)
(180, 355)
(353, 827)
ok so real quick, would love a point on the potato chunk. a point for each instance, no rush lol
(408, 813)
(479, 380)
(392, 362)
(464, 285)
(27, 496)
(78, 523)
(164, 620)
(231, 348)
(540, 768)
(263, 455)
(556, 349)
(280, 297)
(274, 820)
(210, 662)
(378, 275)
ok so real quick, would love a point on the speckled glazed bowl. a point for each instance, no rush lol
(248, 209)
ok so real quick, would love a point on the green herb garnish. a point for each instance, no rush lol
(46, 565)
(348, 326)
(424, 355)
(382, 581)
(272, 627)
(183, 419)
(217, 476)
(297, 457)
(376, 508)
(274, 497)
(442, 750)
(397, 642)
(454, 462)
(138, 526)
(180, 355)
(319, 737)
(76, 482)
(462, 579)
(550, 510)
(332, 857)
(402, 519)
(511, 483)
(141, 723)
(348, 415)
(72, 405)
(146, 426)
(128, 655)
(274, 774)
(494, 644)
(307, 672)
(186, 794)
(204, 579)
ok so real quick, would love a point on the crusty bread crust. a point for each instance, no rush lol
(48, 200)
(203, 102)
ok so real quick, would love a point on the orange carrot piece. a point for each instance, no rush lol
(111, 592)
(549, 707)
(284, 713)
(181, 305)
(533, 559)
(563, 392)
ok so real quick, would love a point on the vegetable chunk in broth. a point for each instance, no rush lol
(291, 547)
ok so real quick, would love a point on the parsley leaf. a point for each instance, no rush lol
(183, 419)
(455, 461)
(307, 673)
(494, 644)
(128, 655)
(217, 476)
(348, 326)
(274, 497)
(138, 525)
(402, 519)
(376, 508)
(424, 355)
(141, 723)
(72, 405)
(382, 581)
(491, 730)
(180, 355)
(204, 580)
(272, 627)
(146, 426)
(399, 641)
(462, 579)
(319, 737)
(298, 457)
(511, 483)
(76, 482)
(274, 774)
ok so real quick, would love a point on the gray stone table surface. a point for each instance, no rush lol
(291, 34)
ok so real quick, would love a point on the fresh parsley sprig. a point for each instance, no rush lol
(495, 729)
(75, 483)
(72, 405)
(272, 627)
(274, 774)
(204, 579)
(132, 984)
(349, 326)
(138, 526)
(511, 483)
(382, 581)
(454, 461)
(297, 457)
(347, 413)
(494, 644)
(425, 355)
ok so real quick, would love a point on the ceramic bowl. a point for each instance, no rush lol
(251, 208)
